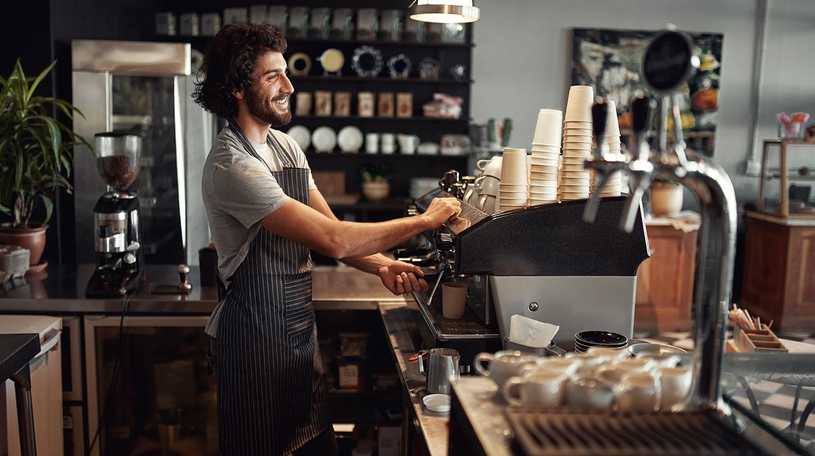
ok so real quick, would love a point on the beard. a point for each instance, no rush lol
(266, 109)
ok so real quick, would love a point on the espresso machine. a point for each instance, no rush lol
(543, 262)
(118, 269)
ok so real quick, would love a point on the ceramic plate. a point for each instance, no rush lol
(350, 139)
(324, 139)
(438, 403)
(301, 136)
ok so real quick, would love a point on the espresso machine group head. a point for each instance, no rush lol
(116, 217)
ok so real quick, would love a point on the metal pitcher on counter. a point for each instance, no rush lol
(442, 367)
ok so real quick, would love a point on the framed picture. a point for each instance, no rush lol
(609, 60)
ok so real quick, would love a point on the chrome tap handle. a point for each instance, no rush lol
(599, 115)
(593, 204)
(679, 137)
(640, 169)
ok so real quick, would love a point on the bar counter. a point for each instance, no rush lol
(61, 290)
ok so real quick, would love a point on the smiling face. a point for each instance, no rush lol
(267, 99)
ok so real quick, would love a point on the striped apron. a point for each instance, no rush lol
(271, 386)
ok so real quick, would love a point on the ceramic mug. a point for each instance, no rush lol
(675, 383)
(372, 143)
(536, 388)
(587, 393)
(408, 144)
(503, 365)
(639, 392)
(388, 145)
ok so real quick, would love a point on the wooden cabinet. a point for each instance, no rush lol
(665, 281)
(779, 271)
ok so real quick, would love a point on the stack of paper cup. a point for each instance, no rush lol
(514, 180)
(543, 163)
(612, 152)
(574, 178)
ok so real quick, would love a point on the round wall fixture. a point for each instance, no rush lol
(332, 60)
(399, 66)
(367, 62)
(299, 64)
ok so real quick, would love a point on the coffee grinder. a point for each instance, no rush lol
(116, 217)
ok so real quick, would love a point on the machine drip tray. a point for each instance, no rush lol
(466, 327)
(561, 433)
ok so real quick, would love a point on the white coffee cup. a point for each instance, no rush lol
(408, 144)
(372, 143)
(388, 143)
(536, 388)
(453, 299)
(675, 383)
(587, 393)
(639, 392)
(567, 366)
(503, 365)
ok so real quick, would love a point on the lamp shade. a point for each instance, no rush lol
(444, 11)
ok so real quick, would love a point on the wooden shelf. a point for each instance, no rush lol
(330, 42)
(313, 119)
(357, 79)
(362, 155)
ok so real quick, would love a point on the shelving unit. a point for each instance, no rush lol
(401, 167)
(784, 176)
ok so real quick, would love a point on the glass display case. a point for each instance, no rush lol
(153, 393)
(144, 88)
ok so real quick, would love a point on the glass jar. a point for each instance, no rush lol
(318, 25)
(298, 22)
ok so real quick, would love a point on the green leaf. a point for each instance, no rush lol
(49, 207)
(55, 136)
(38, 80)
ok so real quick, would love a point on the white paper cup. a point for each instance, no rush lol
(372, 143)
(454, 296)
(548, 126)
(612, 125)
(578, 104)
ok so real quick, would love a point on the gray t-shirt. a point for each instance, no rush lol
(239, 191)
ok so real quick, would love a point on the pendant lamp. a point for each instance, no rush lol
(444, 11)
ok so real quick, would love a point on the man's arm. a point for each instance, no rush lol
(398, 277)
(368, 263)
(341, 239)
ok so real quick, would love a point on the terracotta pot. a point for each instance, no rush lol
(32, 238)
(666, 199)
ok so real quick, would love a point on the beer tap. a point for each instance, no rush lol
(668, 63)
(603, 170)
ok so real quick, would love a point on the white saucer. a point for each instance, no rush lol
(301, 136)
(437, 403)
(324, 139)
(350, 139)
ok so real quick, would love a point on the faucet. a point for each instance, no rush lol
(706, 180)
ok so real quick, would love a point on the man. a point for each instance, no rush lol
(265, 214)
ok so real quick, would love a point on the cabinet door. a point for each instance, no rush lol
(665, 281)
(164, 397)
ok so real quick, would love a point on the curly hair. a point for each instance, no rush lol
(229, 63)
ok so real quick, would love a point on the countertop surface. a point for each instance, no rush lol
(61, 289)
(402, 325)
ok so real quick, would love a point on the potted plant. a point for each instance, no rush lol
(375, 184)
(666, 198)
(35, 157)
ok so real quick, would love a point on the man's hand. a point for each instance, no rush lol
(401, 278)
(441, 210)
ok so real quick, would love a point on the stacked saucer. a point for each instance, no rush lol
(611, 152)
(514, 180)
(574, 178)
(543, 163)
(587, 339)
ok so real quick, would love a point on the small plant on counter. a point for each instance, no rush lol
(35, 150)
